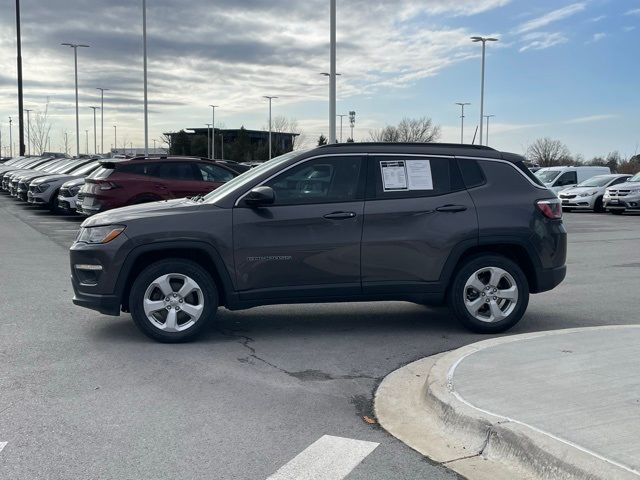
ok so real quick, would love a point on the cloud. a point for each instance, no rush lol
(230, 54)
(629, 28)
(597, 37)
(551, 17)
(597, 19)
(542, 40)
(590, 118)
(635, 11)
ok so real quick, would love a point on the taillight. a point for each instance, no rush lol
(108, 185)
(550, 208)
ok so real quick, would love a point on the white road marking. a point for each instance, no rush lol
(328, 458)
(2, 445)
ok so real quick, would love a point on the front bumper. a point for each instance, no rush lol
(36, 198)
(587, 203)
(107, 304)
(627, 202)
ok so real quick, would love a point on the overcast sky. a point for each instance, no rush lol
(563, 69)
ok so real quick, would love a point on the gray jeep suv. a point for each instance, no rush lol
(422, 223)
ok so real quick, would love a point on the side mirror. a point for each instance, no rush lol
(260, 196)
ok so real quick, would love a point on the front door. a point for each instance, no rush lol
(416, 213)
(308, 241)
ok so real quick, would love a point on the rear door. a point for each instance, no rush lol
(416, 212)
(178, 179)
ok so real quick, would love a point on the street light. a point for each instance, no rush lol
(115, 137)
(28, 131)
(102, 90)
(488, 117)
(332, 72)
(271, 98)
(352, 123)
(208, 140)
(75, 47)
(213, 126)
(341, 117)
(86, 136)
(10, 139)
(484, 41)
(144, 50)
(20, 90)
(95, 134)
(462, 105)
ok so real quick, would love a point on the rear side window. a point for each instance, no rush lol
(522, 167)
(411, 177)
(136, 168)
(472, 173)
(176, 171)
(101, 173)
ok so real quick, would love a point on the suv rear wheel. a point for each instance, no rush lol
(172, 300)
(489, 294)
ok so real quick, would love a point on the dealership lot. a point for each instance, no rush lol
(88, 396)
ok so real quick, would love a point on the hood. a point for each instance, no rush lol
(579, 190)
(145, 210)
(56, 177)
(625, 186)
(27, 176)
(74, 183)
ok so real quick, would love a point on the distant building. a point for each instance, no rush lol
(135, 151)
(238, 144)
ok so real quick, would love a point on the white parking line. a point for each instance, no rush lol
(328, 458)
(2, 445)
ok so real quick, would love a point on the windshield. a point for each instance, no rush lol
(248, 176)
(547, 176)
(635, 178)
(596, 182)
(53, 166)
(89, 167)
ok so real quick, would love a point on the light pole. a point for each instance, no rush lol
(20, 94)
(484, 41)
(144, 49)
(488, 117)
(86, 136)
(154, 145)
(271, 98)
(213, 130)
(66, 143)
(208, 140)
(75, 60)
(462, 105)
(221, 145)
(28, 131)
(341, 117)
(102, 90)
(115, 137)
(95, 132)
(10, 139)
(352, 123)
(332, 72)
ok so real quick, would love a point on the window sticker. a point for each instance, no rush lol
(404, 175)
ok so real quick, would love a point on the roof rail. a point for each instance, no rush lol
(420, 144)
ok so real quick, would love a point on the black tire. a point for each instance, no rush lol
(173, 266)
(567, 209)
(616, 212)
(456, 294)
(598, 207)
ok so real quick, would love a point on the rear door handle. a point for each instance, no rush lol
(451, 208)
(160, 186)
(339, 215)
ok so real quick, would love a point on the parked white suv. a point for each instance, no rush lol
(561, 178)
(623, 197)
(589, 194)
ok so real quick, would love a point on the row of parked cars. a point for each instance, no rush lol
(89, 185)
(593, 188)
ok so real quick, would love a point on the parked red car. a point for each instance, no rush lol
(118, 183)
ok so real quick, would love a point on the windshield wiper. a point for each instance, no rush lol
(197, 198)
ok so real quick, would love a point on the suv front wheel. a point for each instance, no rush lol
(172, 300)
(489, 294)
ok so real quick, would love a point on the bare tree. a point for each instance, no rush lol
(547, 152)
(282, 124)
(409, 130)
(40, 128)
(65, 139)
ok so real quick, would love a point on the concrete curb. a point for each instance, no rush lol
(418, 405)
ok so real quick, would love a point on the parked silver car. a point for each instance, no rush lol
(623, 197)
(589, 194)
(68, 195)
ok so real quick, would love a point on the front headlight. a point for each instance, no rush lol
(99, 234)
(74, 191)
(587, 194)
(43, 186)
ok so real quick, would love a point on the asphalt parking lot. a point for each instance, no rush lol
(88, 396)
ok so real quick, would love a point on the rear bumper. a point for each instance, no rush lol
(548, 279)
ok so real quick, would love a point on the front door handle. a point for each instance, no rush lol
(451, 208)
(339, 215)
(159, 186)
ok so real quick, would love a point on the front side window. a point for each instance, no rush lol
(567, 178)
(547, 176)
(214, 173)
(175, 171)
(321, 180)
